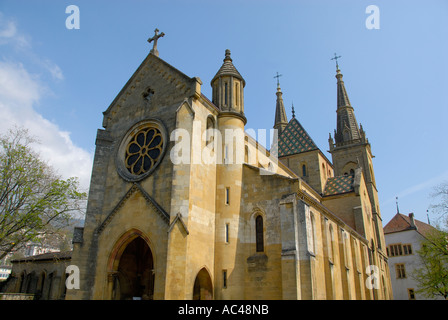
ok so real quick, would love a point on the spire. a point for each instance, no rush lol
(293, 112)
(347, 127)
(281, 121)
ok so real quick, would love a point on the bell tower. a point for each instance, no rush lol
(350, 149)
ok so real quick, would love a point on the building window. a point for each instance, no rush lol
(399, 250)
(411, 294)
(395, 250)
(259, 233)
(224, 279)
(227, 195)
(225, 94)
(313, 233)
(331, 244)
(303, 170)
(400, 271)
(210, 133)
(237, 94)
(227, 233)
(407, 249)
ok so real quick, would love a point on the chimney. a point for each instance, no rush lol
(412, 221)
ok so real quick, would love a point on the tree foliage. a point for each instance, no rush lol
(432, 276)
(34, 200)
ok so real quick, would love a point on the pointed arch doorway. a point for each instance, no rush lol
(203, 288)
(132, 277)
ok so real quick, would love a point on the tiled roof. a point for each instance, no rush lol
(294, 139)
(339, 184)
(401, 222)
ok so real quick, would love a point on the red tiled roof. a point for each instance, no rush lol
(401, 222)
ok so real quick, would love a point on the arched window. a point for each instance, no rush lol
(303, 170)
(259, 237)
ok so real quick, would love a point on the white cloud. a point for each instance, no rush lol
(54, 70)
(20, 91)
(10, 35)
(422, 186)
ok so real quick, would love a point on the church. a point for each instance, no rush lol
(185, 204)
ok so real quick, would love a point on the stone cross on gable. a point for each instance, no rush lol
(156, 37)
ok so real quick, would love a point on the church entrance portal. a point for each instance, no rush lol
(203, 289)
(135, 275)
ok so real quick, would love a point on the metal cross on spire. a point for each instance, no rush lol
(336, 57)
(278, 82)
(156, 37)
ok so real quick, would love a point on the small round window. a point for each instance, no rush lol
(141, 150)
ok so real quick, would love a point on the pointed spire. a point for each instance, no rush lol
(347, 127)
(343, 100)
(281, 121)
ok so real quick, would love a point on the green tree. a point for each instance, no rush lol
(34, 201)
(432, 276)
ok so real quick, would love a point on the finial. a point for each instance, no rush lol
(396, 201)
(293, 112)
(336, 57)
(156, 37)
(227, 55)
(278, 82)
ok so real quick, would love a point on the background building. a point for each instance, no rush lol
(404, 235)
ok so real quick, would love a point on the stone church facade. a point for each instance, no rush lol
(183, 204)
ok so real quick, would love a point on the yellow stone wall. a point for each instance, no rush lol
(194, 227)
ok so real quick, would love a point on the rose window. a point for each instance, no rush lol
(143, 151)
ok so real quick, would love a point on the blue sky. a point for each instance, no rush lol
(57, 81)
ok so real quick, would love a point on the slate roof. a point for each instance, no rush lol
(294, 139)
(401, 222)
(339, 184)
